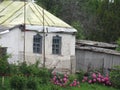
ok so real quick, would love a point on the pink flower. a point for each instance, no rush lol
(102, 80)
(106, 78)
(99, 75)
(90, 81)
(78, 82)
(54, 78)
(65, 75)
(85, 78)
(54, 73)
(110, 83)
(94, 80)
(98, 79)
(93, 75)
(71, 85)
(65, 79)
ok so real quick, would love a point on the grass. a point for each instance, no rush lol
(85, 86)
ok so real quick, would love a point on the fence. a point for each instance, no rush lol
(89, 58)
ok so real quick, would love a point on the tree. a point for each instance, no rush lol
(77, 25)
(99, 19)
(108, 20)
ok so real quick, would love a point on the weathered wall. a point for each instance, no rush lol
(90, 60)
(14, 40)
(11, 40)
(60, 61)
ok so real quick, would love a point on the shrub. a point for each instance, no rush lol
(43, 75)
(32, 83)
(28, 70)
(14, 69)
(24, 69)
(55, 87)
(80, 75)
(18, 82)
(4, 65)
(115, 76)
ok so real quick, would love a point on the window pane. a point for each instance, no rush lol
(56, 46)
(37, 44)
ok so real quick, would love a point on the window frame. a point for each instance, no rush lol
(56, 45)
(37, 44)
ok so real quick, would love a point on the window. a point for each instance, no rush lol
(3, 51)
(56, 45)
(37, 44)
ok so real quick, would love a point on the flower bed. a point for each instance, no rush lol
(97, 78)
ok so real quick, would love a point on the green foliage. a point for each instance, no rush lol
(80, 34)
(118, 43)
(4, 65)
(115, 76)
(108, 20)
(80, 75)
(55, 87)
(18, 82)
(72, 77)
(32, 83)
(99, 19)
(43, 75)
(53, 6)
(24, 69)
(14, 69)
(29, 70)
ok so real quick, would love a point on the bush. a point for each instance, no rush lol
(32, 83)
(80, 75)
(14, 69)
(25, 69)
(44, 75)
(115, 76)
(55, 87)
(4, 65)
(18, 82)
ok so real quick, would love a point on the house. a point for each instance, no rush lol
(31, 33)
(92, 55)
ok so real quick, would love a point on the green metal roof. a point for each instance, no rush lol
(12, 13)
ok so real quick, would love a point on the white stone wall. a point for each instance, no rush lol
(11, 40)
(14, 40)
(60, 61)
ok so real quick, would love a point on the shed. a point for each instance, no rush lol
(92, 56)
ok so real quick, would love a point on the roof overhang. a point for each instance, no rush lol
(50, 29)
(4, 29)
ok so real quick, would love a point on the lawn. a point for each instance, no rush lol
(84, 86)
